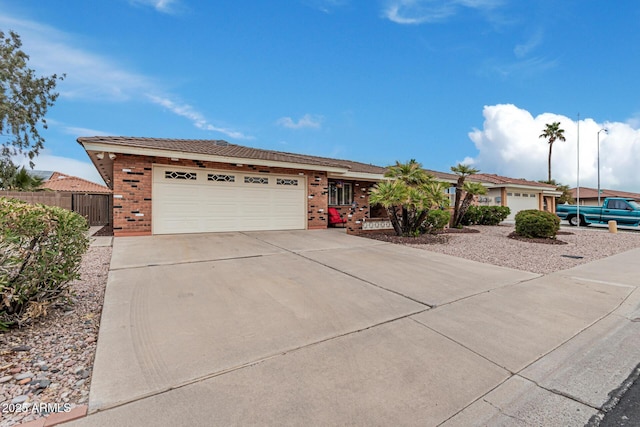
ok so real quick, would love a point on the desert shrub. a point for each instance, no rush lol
(435, 221)
(534, 223)
(485, 215)
(40, 252)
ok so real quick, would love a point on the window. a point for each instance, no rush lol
(516, 194)
(284, 181)
(221, 177)
(340, 193)
(191, 176)
(255, 180)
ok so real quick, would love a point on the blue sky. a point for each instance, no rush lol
(373, 81)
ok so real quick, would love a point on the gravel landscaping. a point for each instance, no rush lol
(50, 361)
(493, 246)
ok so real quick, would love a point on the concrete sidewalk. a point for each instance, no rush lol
(317, 327)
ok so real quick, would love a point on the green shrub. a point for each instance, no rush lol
(485, 215)
(40, 252)
(435, 221)
(534, 223)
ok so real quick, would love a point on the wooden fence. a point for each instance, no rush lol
(49, 198)
(94, 207)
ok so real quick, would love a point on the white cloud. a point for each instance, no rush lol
(48, 162)
(326, 6)
(75, 130)
(163, 6)
(91, 76)
(428, 11)
(306, 121)
(509, 145)
(186, 111)
(523, 49)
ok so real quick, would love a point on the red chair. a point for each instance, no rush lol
(335, 218)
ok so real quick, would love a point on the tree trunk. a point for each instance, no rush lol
(464, 207)
(456, 204)
(393, 217)
(550, 148)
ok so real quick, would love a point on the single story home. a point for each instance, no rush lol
(166, 186)
(589, 196)
(517, 194)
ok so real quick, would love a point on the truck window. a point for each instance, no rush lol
(616, 204)
(633, 204)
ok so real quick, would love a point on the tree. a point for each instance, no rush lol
(566, 196)
(463, 171)
(551, 133)
(14, 179)
(408, 196)
(471, 189)
(24, 101)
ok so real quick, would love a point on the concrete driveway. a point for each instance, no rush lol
(322, 328)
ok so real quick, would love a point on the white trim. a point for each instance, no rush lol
(362, 176)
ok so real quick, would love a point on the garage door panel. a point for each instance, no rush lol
(201, 205)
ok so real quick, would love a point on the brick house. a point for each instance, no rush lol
(165, 186)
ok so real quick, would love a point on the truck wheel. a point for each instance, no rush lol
(573, 220)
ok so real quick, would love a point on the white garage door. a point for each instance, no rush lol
(519, 201)
(192, 200)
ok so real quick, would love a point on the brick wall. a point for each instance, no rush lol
(133, 175)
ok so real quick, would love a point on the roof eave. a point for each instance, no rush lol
(157, 152)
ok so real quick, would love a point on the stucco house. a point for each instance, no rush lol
(166, 186)
(589, 196)
(517, 194)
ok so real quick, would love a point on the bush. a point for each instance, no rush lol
(534, 223)
(436, 221)
(40, 252)
(485, 215)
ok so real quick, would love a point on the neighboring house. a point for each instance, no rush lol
(57, 181)
(165, 186)
(517, 194)
(89, 199)
(589, 196)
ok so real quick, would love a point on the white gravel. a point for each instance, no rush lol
(492, 246)
(54, 357)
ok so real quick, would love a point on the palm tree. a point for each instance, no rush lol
(463, 171)
(471, 189)
(407, 196)
(552, 133)
(14, 179)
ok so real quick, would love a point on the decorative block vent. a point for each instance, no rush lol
(256, 180)
(283, 181)
(191, 176)
(220, 177)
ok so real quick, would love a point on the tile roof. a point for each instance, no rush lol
(503, 180)
(226, 149)
(443, 175)
(592, 193)
(73, 184)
